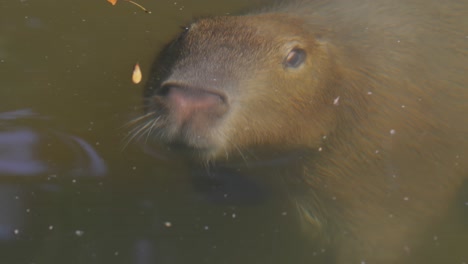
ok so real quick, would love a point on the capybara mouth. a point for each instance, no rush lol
(190, 113)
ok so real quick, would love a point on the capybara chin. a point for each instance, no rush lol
(375, 92)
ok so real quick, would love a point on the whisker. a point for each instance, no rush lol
(143, 129)
(241, 154)
(136, 128)
(130, 136)
(137, 131)
(138, 119)
(236, 147)
(150, 130)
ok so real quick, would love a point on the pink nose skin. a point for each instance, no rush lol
(188, 103)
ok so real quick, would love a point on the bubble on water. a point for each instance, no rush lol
(407, 249)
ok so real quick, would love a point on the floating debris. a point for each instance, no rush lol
(136, 76)
(114, 2)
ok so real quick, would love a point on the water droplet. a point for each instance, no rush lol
(336, 101)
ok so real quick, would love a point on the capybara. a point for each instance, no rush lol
(368, 99)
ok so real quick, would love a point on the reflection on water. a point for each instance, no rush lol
(28, 174)
(21, 148)
(70, 194)
(59, 202)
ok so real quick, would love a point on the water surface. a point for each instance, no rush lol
(70, 192)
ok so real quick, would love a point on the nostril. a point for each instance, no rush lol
(170, 89)
(186, 102)
(164, 90)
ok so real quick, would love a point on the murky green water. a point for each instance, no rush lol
(70, 193)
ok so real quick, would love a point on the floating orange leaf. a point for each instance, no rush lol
(114, 2)
(136, 76)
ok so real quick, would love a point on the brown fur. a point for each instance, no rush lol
(380, 104)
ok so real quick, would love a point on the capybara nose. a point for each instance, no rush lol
(185, 102)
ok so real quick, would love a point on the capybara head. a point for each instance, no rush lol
(230, 83)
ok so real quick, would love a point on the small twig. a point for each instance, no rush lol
(140, 6)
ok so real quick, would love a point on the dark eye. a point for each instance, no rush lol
(295, 58)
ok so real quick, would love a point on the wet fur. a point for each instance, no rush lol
(381, 106)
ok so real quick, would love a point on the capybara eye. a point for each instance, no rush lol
(295, 58)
